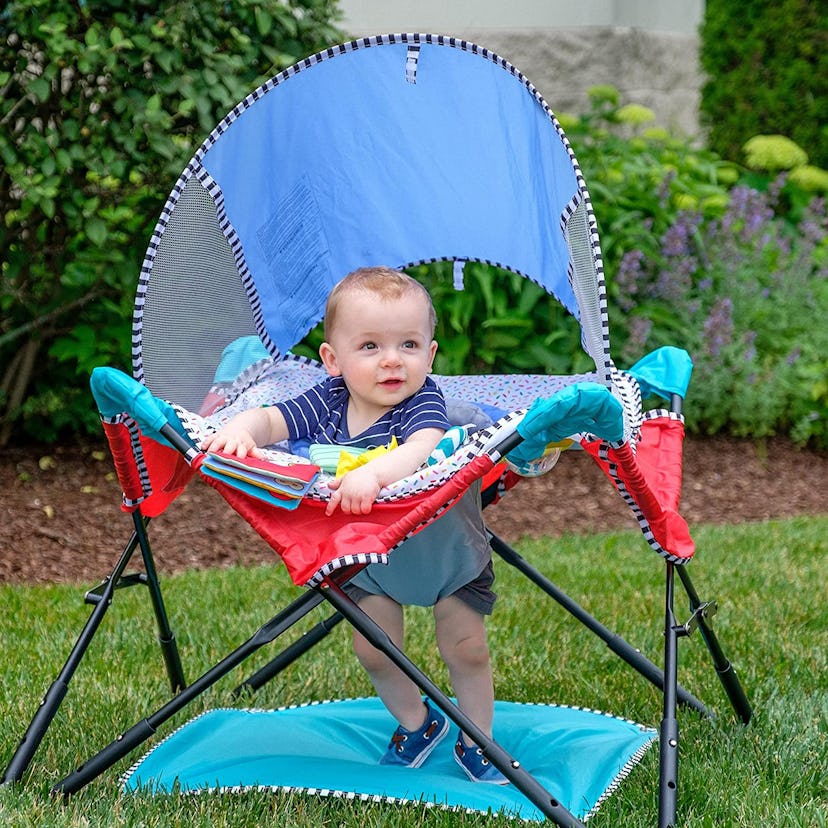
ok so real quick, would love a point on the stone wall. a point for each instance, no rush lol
(658, 69)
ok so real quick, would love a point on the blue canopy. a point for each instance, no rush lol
(392, 150)
(391, 156)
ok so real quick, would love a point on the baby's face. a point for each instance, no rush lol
(382, 348)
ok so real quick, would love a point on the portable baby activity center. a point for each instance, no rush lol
(395, 150)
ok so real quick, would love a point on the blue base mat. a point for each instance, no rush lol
(332, 748)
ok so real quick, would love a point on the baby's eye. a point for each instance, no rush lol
(409, 344)
(369, 346)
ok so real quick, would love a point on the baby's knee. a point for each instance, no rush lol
(468, 653)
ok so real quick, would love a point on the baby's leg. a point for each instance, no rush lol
(397, 692)
(461, 637)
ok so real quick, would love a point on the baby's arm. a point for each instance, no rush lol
(356, 491)
(245, 432)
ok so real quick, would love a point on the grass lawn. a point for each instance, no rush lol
(768, 580)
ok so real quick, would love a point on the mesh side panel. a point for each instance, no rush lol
(585, 285)
(195, 302)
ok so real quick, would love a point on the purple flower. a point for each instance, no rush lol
(748, 212)
(673, 284)
(664, 189)
(677, 239)
(775, 187)
(630, 274)
(639, 328)
(749, 339)
(718, 327)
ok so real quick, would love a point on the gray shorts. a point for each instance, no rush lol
(476, 594)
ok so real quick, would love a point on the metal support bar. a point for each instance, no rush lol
(95, 595)
(508, 766)
(166, 637)
(299, 647)
(669, 735)
(57, 691)
(144, 729)
(635, 658)
(724, 669)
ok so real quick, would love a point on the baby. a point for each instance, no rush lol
(378, 351)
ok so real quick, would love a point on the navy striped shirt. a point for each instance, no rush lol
(320, 416)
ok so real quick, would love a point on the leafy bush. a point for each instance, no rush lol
(766, 63)
(100, 113)
(747, 298)
(103, 103)
(727, 262)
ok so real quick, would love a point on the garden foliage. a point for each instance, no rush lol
(766, 63)
(101, 111)
(102, 105)
(727, 262)
(700, 253)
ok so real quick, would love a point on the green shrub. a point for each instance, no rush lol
(727, 262)
(100, 115)
(766, 63)
(102, 105)
(747, 298)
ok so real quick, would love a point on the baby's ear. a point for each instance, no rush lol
(328, 357)
(432, 351)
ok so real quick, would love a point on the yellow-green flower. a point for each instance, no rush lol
(656, 134)
(567, 121)
(715, 204)
(773, 152)
(635, 114)
(685, 201)
(727, 175)
(604, 93)
(811, 178)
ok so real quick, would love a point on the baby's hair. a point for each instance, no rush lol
(383, 282)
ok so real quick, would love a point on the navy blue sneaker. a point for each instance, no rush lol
(410, 748)
(477, 767)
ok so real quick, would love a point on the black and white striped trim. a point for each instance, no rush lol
(229, 231)
(345, 560)
(137, 457)
(663, 413)
(414, 41)
(411, 60)
(626, 388)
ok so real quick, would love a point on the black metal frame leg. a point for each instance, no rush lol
(724, 669)
(101, 599)
(635, 658)
(144, 729)
(508, 766)
(669, 734)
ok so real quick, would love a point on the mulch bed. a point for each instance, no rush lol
(60, 518)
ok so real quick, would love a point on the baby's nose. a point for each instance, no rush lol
(391, 356)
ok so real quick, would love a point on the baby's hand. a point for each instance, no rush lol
(232, 439)
(354, 492)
